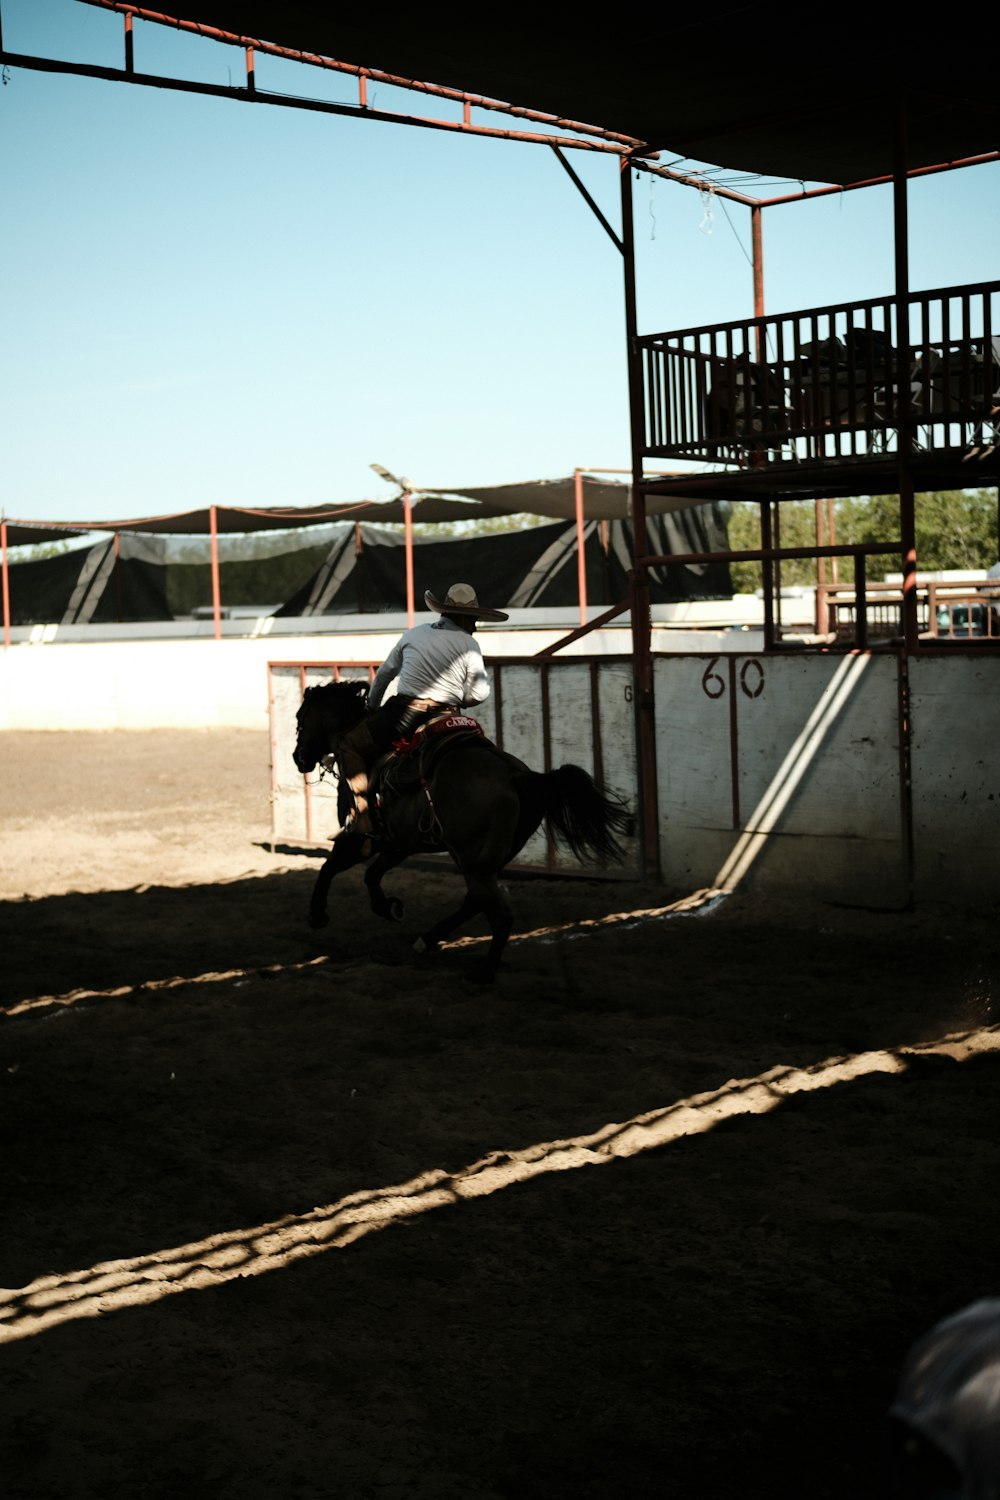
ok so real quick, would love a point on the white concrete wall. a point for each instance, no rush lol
(202, 683)
(782, 772)
(955, 715)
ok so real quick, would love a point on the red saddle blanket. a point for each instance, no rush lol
(444, 724)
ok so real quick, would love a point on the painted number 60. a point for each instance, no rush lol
(751, 679)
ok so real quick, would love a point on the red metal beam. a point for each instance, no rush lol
(287, 101)
(6, 584)
(581, 559)
(408, 548)
(850, 187)
(639, 579)
(904, 411)
(216, 591)
(316, 60)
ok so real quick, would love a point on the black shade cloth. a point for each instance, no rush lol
(87, 587)
(363, 571)
(530, 569)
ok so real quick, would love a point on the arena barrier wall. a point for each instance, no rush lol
(864, 779)
(784, 772)
(955, 713)
(867, 779)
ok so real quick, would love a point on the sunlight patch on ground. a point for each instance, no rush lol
(156, 986)
(114, 1285)
(699, 903)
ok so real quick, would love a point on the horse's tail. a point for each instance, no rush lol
(589, 820)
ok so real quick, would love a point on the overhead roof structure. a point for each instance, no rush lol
(601, 500)
(759, 88)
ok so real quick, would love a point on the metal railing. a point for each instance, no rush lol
(829, 383)
(946, 611)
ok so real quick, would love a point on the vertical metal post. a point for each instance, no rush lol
(359, 586)
(251, 81)
(129, 51)
(904, 413)
(581, 560)
(776, 542)
(860, 603)
(831, 526)
(758, 456)
(408, 534)
(767, 572)
(757, 240)
(213, 527)
(119, 600)
(6, 584)
(822, 616)
(641, 622)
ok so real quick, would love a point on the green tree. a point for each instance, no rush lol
(954, 529)
(484, 526)
(35, 552)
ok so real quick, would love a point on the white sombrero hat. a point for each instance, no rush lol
(461, 600)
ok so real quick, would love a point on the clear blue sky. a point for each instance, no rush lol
(208, 302)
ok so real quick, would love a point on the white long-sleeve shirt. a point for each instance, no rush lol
(440, 661)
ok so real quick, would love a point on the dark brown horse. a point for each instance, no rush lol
(459, 793)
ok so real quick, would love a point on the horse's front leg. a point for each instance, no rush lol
(345, 853)
(382, 905)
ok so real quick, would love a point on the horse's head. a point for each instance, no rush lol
(327, 712)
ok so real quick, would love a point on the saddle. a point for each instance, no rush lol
(404, 770)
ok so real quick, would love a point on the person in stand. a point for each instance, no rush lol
(440, 668)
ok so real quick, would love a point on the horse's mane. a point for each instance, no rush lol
(347, 699)
(346, 689)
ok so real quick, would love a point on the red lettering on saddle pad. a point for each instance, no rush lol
(443, 725)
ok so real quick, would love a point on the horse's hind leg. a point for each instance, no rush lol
(501, 919)
(430, 941)
(484, 895)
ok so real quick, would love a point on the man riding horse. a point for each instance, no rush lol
(440, 669)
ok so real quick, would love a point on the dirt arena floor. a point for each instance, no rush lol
(657, 1215)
